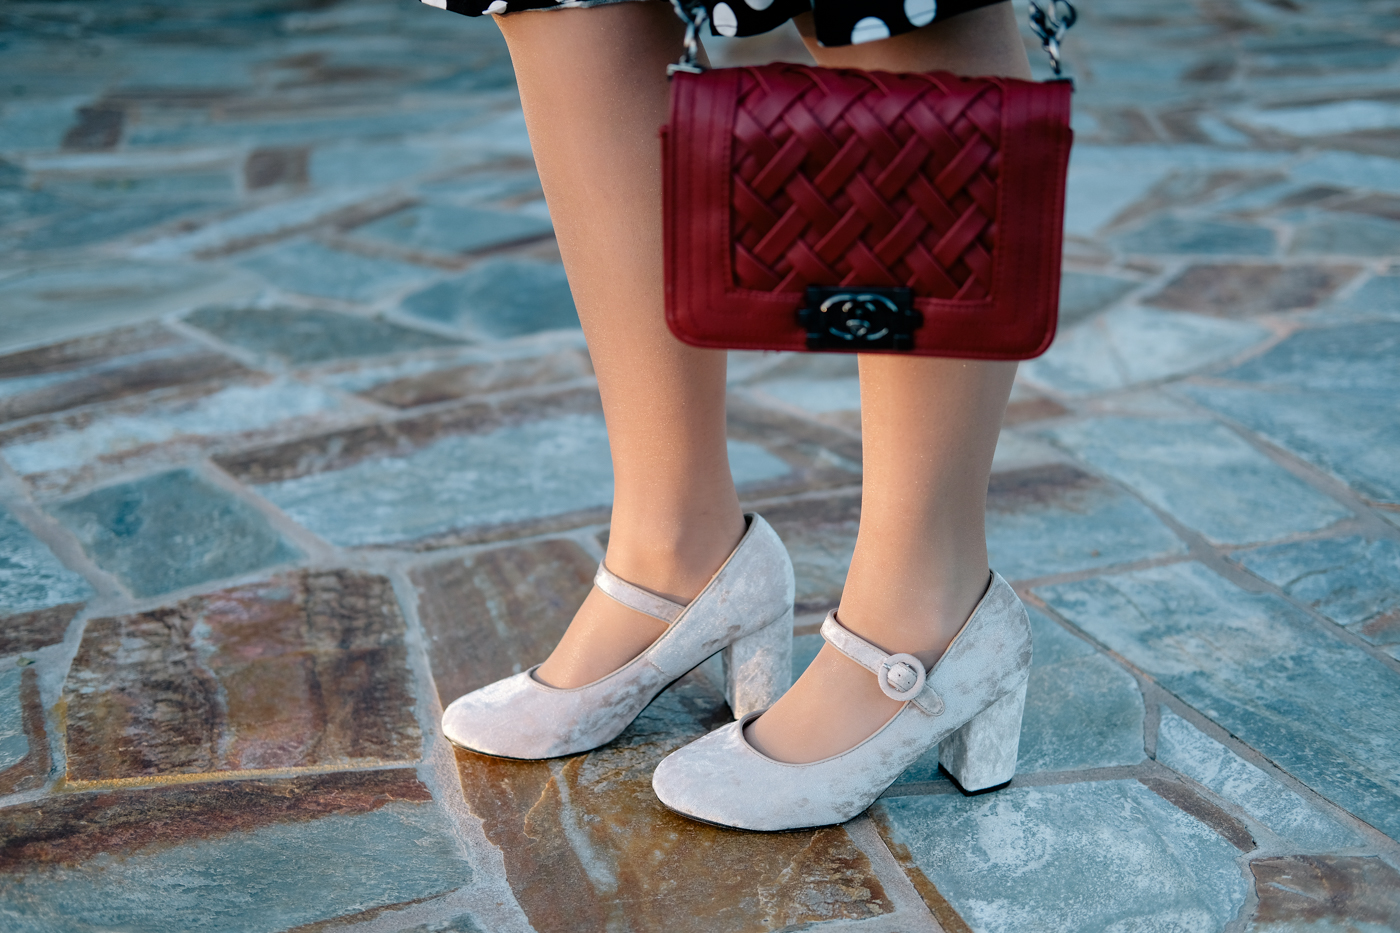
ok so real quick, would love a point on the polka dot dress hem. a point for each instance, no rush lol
(838, 22)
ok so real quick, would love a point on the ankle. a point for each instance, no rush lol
(909, 613)
(675, 558)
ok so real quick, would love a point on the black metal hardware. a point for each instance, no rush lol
(1050, 23)
(856, 319)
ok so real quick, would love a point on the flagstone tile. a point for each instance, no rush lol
(309, 268)
(499, 299)
(24, 742)
(1235, 291)
(1316, 707)
(112, 365)
(452, 229)
(1056, 518)
(38, 594)
(588, 847)
(1356, 359)
(1085, 293)
(60, 452)
(76, 299)
(172, 530)
(1132, 345)
(1203, 475)
(502, 469)
(1174, 235)
(1347, 236)
(92, 224)
(1086, 857)
(481, 378)
(1350, 580)
(1378, 297)
(1082, 709)
(300, 336)
(1322, 893)
(258, 856)
(1189, 751)
(499, 612)
(1354, 437)
(301, 670)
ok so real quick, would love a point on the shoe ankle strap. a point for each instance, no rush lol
(634, 597)
(901, 676)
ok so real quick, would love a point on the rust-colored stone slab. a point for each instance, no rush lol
(1032, 408)
(1331, 891)
(820, 457)
(32, 771)
(1241, 290)
(305, 669)
(587, 846)
(29, 631)
(482, 378)
(820, 534)
(70, 828)
(500, 611)
(108, 366)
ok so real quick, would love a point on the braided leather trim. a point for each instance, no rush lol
(634, 597)
(880, 664)
(873, 180)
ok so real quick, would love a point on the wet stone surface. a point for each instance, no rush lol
(299, 670)
(300, 440)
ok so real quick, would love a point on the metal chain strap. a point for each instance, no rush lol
(1050, 23)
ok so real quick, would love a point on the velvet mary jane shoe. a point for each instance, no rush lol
(744, 612)
(969, 705)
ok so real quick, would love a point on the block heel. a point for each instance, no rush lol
(982, 754)
(758, 667)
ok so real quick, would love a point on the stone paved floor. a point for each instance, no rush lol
(299, 439)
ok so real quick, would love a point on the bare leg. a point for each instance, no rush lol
(929, 429)
(593, 85)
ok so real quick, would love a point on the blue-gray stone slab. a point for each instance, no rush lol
(1175, 235)
(312, 269)
(1350, 169)
(500, 299)
(1347, 236)
(1071, 858)
(1131, 345)
(170, 531)
(1320, 709)
(449, 228)
(263, 881)
(1189, 751)
(1056, 519)
(1378, 297)
(1354, 437)
(235, 409)
(91, 225)
(307, 336)
(14, 744)
(1082, 709)
(1357, 359)
(517, 473)
(30, 576)
(1203, 475)
(1352, 581)
(1083, 293)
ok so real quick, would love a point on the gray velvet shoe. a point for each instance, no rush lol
(969, 705)
(745, 612)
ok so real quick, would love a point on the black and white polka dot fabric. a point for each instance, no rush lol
(838, 22)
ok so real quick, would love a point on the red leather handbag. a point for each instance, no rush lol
(821, 209)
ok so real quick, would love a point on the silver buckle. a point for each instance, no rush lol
(901, 676)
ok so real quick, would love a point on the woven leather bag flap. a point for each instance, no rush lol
(784, 176)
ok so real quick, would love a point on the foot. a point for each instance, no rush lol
(604, 634)
(836, 704)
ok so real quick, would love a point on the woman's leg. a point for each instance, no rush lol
(929, 428)
(593, 85)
